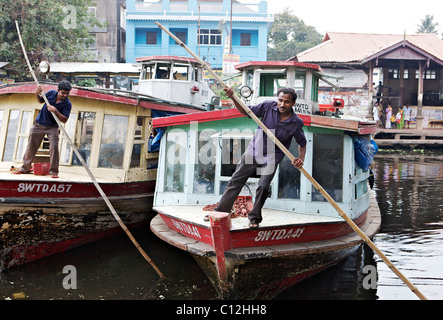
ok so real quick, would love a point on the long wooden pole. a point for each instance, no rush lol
(305, 173)
(100, 190)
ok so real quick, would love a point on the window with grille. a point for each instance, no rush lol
(210, 37)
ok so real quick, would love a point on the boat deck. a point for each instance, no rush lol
(271, 218)
(64, 177)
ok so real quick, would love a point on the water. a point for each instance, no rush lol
(407, 186)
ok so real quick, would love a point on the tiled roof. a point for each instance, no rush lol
(356, 48)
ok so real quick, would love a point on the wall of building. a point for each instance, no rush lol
(184, 17)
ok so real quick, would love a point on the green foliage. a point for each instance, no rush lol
(427, 25)
(87, 83)
(289, 36)
(52, 30)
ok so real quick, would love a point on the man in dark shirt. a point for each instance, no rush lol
(262, 157)
(45, 123)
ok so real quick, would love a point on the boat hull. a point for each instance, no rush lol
(263, 271)
(39, 223)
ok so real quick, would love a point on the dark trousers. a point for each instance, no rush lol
(245, 168)
(36, 136)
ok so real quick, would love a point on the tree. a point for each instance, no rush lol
(427, 25)
(289, 35)
(52, 30)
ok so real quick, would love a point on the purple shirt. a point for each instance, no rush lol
(284, 131)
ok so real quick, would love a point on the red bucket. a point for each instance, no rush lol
(41, 169)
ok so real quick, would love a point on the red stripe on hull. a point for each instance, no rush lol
(266, 236)
(43, 189)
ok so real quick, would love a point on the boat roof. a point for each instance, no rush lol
(168, 58)
(360, 127)
(277, 64)
(125, 97)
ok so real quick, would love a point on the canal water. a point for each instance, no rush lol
(408, 187)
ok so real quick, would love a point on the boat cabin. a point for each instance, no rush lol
(199, 153)
(262, 79)
(175, 79)
(111, 132)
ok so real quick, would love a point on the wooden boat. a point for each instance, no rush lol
(301, 234)
(41, 216)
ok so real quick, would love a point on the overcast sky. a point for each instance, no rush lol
(376, 16)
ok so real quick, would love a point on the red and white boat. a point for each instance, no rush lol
(41, 216)
(301, 233)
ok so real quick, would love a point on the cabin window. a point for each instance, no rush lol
(361, 187)
(204, 169)
(66, 148)
(163, 70)
(314, 91)
(232, 152)
(180, 71)
(112, 145)
(148, 71)
(175, 161)
(289, 177)
(328, 165)
(138, 144)
(25, 127)
(270, 83)
(11, 136)
(299, 84)
(1, 119)
(83, 138)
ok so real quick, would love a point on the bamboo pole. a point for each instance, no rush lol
(305, 173)
(100, 190)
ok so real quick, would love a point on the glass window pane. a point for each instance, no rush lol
(175, 161)
(204, 169)
(22, 144)
(299, 84)
(66, 148)
(180, 72)
(289, 176)
(328, 165)
(136, 155)
(163, 70)
(112, 145)
(83, 137)
(11, 135)
(138, 133)
(1, 118)
(26, 124)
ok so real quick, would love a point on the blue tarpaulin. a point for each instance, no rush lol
(154, 143)
(365, 149)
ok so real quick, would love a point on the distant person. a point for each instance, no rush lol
(399, 118)
(379, 91)
(388, 116)
(375, 114)
(407, 115)
(45, 124)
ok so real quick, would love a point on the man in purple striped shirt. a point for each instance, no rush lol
(262, 157)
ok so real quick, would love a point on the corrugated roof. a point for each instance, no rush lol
(88, 67)
(355, 48)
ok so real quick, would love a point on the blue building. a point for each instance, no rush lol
(203, 25)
